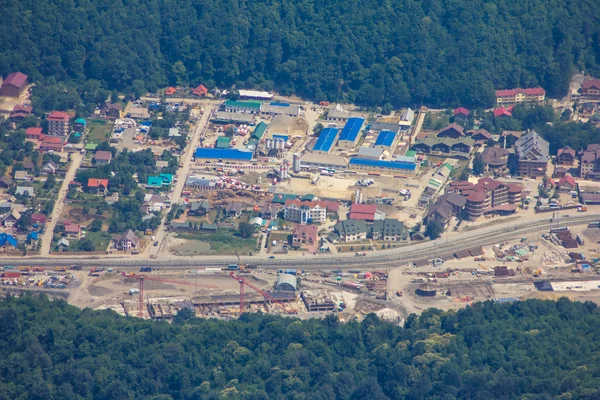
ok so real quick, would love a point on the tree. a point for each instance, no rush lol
(230, 131)
(478, 166)
(86, 244)
(433, 229)
(95, 226)
(387, 109)
(246, 230)
(317, 129)
(50, 182)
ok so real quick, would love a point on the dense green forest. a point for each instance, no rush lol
(370, 52)
(526, 350)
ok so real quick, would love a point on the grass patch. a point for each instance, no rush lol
(99, 133)
(101, 240)
(223, 242)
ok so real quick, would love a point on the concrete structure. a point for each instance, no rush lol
(13, 85)
(230, 117)
(350, 133)
(286, 282)
(58, 123)
(317, 300)
(305, 235)
(533, 154)
(515, 96)
(296, 163)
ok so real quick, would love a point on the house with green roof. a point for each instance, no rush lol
(154, 182)
(91, 146)
(223, 142)
(259, 131)
(247, 107)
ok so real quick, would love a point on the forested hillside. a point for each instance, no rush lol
(442, 52)
(526, 350)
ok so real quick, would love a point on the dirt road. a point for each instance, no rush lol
(181, 176)
(76, 159)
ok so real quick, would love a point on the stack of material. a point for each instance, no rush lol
(555, 256)
(567, 240)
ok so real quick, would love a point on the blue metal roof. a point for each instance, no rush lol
(385, 138)
(283, 137)
(383, 164)
(231, 154)
(326, 139)
(352, 129)
(279, 104)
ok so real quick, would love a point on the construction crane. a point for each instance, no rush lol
(242, 267)
(243, 282)
(142, 278)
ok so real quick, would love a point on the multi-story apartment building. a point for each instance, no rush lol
(488, 197)
(58, 123)
(533, 153)
(308, 212)
(515, 96)
(589, 166)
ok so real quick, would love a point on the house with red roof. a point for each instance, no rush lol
(20, 112)
(515, 96)
(51, 143)
(305, 235)
(566, 183)
(502, 112)
(97, 186)
(58, 123)
(565, 156)
(14, 85)
(200, 91)
(170, 91)
(590, 90)
(365, 212)
(73, 231)
(34, 133)
(38, 219)
(461, 112)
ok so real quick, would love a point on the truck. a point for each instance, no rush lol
(274, 243)
(75, 267)
(146, 269)
(582, 209)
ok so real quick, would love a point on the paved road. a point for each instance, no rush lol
(389, 258)
(76, 159)
(181, 177)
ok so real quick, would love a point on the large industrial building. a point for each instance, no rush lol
(385, 140)
(326, 140)
(206, 154)
(315, 160)
(350, 133)
(394, 167)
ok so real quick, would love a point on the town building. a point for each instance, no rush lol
(389, 230)
(565, 156)
(102, 157)
(199, 208)
(533, 154)
(566, 184)
(590, 89)
(11, 219)
(13, 85)
(589, 165)
(72, 231)
(19, 113)
(58, 123)
(461, 113)
(97, 186)
(516, 96)
(200, 91)
(447, 206)
(365, 212)
(255, 95)
(502, 112)
(350, 133)
(25, 191)
(453, 131)
(444, 145)
(495, 159)
(276, 108)
(488, 197)
(308, 212)
(128, 241)
(315, 160)
(397, 166)
(305, 235)
(111, 111)
(351, 230)
(337, 113)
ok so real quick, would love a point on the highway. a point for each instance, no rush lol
(443, 248)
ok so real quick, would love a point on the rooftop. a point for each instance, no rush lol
(326, 139)
(385, 138)
(352, 129)
(225, 154)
